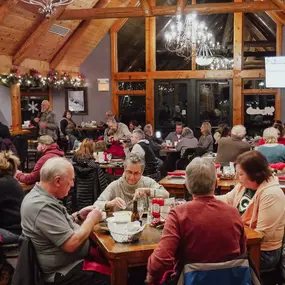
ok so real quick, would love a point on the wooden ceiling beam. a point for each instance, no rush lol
(27, 48)
(279, 4)
(83, 26)
(120, 22)
(276, 17)
(7, 6)
(180, 6)
(146, 8)
(131, 12)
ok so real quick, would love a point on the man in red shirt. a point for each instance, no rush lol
(201, 231)
(48, 149)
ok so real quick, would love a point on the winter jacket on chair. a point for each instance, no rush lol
(89, 181)
(28, 271)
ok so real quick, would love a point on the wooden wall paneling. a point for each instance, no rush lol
(7, 6)
(133, 12)
(27, 47)
(16, 108)
(238, 105)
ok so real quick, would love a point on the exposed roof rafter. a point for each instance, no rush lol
(146, 7)
(27, 48)
(131, 12)
(83, 26)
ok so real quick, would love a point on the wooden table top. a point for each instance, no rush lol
(252, 236)
(179, 182)
(147, 242)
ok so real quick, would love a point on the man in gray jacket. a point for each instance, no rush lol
(175, 136)
(46, 121)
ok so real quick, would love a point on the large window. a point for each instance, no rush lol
(131, 46)
(259, 39)
(214, 103)
(192, 102)
(259, 113)
(132, 108)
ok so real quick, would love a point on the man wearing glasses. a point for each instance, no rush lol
(132, 185)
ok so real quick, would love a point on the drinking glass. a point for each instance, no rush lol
(141, 207)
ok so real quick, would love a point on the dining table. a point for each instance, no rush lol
(175, 185)
(122, 256)
(92, 131)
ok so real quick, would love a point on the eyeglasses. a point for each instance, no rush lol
(128, 172)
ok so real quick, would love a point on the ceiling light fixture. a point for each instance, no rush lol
(48, 7)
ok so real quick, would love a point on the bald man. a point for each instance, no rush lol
(46, 121)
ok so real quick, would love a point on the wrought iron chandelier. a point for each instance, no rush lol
(48, 7)
(191, 38)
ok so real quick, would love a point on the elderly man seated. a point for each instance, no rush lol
(60, 243)
(48, 149)
(197, 232)
(121, 193)
(230, 148)
(116, 131)
(141, 146)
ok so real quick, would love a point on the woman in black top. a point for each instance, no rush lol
(67, 128)
(11, 196)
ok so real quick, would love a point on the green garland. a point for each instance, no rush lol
(35, 80)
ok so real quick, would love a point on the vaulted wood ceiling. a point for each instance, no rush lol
(26, 41)
(24, 34)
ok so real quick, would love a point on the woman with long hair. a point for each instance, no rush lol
(11, 196)
(206, 140)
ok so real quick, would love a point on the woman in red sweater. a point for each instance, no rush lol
(196, 231)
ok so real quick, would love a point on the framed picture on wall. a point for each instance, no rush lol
(76, 100)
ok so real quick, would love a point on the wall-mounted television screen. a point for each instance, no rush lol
(275, 72)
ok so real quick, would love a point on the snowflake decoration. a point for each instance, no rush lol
(33, 107)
